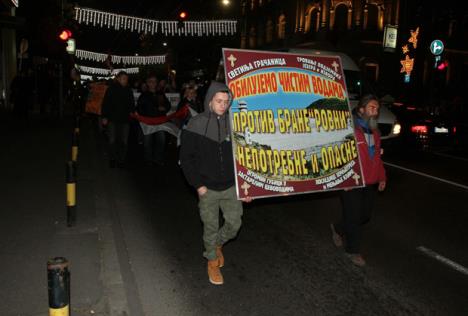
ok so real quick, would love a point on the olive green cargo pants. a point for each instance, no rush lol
(209, 205)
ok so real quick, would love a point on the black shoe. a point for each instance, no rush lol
(112, 163)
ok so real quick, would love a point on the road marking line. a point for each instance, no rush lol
(449, 156)
(465, 187)
(431, 253)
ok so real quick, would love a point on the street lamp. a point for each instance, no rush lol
(226, 2)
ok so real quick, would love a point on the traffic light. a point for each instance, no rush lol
(65, 35)
(71, 46)
(442, 65)
(183, 15)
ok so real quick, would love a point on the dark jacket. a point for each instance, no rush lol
(118, 103)
(206, 148)
(194, 104)
(194, 109)
(149, 102)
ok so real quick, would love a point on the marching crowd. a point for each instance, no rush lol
(206, 157)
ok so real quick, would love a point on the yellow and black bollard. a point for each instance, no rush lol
(58, 284)
(74, 152)
(71, 193)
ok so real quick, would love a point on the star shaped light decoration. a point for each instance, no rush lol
(414, 37)
(405, 49)
(407, 65)
(232, 59)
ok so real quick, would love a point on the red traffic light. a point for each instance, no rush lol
(442, 65)
(183, 15)
(65, 35)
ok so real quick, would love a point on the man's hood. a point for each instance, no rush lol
(208, 124)
(214, 88)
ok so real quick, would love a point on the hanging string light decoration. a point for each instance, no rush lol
(168, 28)
(105, 71)
(116, 59)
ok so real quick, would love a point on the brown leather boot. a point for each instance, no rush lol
(220, 256)
(214, 274)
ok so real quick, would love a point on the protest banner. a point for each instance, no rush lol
(97, 90)
(292, 128)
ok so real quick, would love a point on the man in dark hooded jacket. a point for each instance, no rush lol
(117, 105)
(207, 162)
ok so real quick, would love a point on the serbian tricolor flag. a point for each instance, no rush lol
(150, 125)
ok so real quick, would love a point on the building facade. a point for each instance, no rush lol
(8, 49)
(356, 27)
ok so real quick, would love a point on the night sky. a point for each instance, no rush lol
(44, 20)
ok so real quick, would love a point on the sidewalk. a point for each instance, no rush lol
(33, 226)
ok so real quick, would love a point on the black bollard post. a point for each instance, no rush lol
(58, 284)
(71, 193)
(74, 152)
(77, 125)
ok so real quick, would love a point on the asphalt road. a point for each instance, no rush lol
(283, 261)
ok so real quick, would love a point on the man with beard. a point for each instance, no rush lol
(358, 203)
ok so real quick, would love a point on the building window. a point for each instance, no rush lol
(282, 26)
(252, 37)
(372, 12)
(371, 72)
(312, 20)
(269, 31)
(341, 17)
(260, 34)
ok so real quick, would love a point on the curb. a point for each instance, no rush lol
(113, 283)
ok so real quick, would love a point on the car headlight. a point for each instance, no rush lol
(396, 129)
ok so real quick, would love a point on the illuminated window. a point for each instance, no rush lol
(312, 20)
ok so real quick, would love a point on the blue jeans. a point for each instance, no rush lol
(154, 147)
